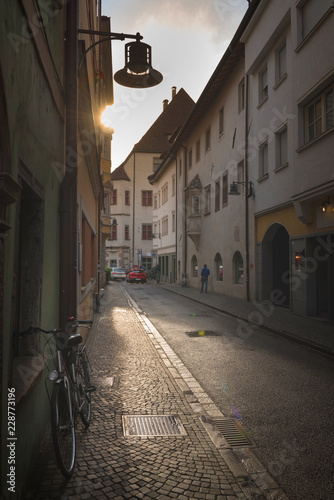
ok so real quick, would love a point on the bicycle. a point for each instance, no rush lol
(184, 280)
(153, 275)
(71, 393)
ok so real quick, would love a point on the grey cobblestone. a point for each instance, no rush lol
(111, 466)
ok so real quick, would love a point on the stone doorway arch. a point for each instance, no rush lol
(276, 265)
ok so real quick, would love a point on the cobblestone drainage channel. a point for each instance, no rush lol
(152, 425)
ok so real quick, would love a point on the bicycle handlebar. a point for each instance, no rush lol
(72, 323)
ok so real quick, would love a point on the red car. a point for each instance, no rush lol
(137, 275)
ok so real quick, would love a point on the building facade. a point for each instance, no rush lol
(263, 128)
(132, 198)
(50, 187)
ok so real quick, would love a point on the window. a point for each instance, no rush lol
(280, 61)
(190, 158)
(126, 232)
(217, 196)
(208, 139)
(113, 233)
(241, 176)
(127, 197)
(282, 147)
(106, 147)
(156, 163)
(146, 231)
(319, 115)
(263, 159)
(194, 267)
(241, 95)
(146, 263)
(238, 268)
(106, 203)
(164, 226)
(173, 185)
(180, 166)
(113, 200)
(263, 84)
(164, 194)
(218, 268)
(146, 198)
(207, 194)
(173, 222)
(88, 252)
(198, 150)
(225, 190)
(195, 205)
(155, 201)
(221, 121)
(311, 13)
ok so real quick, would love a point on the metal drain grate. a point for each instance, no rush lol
(233, 432)
(203, 333)
(152, 425)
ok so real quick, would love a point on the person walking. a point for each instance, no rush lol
(205, 277)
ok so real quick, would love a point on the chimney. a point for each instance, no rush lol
(165, 104)
(173, 92)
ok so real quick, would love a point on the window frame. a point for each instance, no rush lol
(263, 159)
(217, 195)
(221, 121)
(263, 84)
(146, 231)
(321, 98)
(146, 198)
(127, 197)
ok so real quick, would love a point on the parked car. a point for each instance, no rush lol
(137, 275)
(117, 273)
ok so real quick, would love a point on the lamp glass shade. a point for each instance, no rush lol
(234, 189)
(138, 71)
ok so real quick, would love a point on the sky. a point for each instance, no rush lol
(188, 39)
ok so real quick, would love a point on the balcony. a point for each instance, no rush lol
(194, 229)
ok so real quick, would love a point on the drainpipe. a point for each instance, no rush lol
(185, 210)
(68, 188)
(133, 209)
(246, 197)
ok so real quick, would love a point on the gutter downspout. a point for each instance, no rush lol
(68, 189)
(133, 209)
(99, 200)
(247, 190)
(185, 210)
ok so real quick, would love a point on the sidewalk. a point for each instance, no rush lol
(312, 332)
(141, 383)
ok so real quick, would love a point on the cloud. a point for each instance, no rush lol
(219, 17)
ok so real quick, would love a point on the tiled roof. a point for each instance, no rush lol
(119, 174)
(156, 139)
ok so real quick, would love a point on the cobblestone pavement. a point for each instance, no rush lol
(133, 373)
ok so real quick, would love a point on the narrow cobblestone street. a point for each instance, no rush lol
(132, 378)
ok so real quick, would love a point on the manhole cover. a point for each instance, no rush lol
(233, 432)
(152, 425)
(203, 333)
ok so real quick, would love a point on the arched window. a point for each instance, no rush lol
(218, 267)
(194, 267)
(238, 268)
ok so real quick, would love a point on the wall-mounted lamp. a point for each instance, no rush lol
(138, 71)
(156, 235)
(324, 205)
(250, 193)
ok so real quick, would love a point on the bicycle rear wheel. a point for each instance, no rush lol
(63, 432)
(83, 379)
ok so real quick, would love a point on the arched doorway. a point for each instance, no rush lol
(275, 265)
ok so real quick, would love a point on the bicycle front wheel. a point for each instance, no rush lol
(63, 432)
(84, 387)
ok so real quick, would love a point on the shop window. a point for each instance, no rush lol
(238, 268)
(218, 267)
(194, 267)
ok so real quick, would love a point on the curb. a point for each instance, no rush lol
(282, 333)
